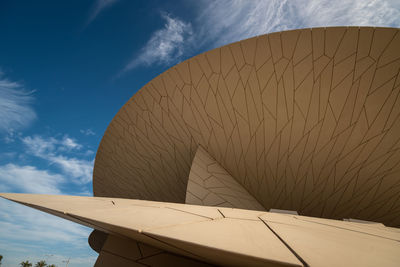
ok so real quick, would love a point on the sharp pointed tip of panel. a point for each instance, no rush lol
(10, 196)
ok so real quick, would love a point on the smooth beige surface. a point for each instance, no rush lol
(235, 237)
(210, 185)
(321, 244)
(305, 120)
(252, 240)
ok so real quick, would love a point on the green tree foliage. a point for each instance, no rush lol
(25, 264)
(28, 264)
(41, 264)
(1, 258)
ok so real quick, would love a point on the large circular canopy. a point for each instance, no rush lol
(304, 120)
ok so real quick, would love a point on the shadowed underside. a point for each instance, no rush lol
(304, 120)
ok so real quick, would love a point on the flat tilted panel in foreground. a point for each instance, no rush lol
(227, 236)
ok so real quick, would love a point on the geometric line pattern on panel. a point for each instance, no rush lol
(210, 185)
(305, 120)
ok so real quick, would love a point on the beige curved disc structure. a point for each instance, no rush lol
(304, 120)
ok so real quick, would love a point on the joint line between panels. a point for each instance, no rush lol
(173, 246)
(120, 256)
(152, 255)
(188, 212)
(96, 226)
(286, 244)
(352, 230)
(147, 235)
(221, 213)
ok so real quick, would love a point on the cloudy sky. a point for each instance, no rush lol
(66, 67)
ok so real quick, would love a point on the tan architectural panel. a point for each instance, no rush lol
(211, 185)
(235, 242)
(167, 228)
(316, 242)
(121, 251)
(237, 237)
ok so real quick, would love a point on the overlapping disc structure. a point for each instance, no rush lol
(304, 120)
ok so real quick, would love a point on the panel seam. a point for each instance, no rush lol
(286, 244)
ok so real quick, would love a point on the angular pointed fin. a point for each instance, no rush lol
(227, 236)
(198, 232)
(210, 184)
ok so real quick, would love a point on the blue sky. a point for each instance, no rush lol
(67, 67)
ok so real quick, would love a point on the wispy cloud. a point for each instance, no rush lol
(16, 111)
(40, 145)
(32, 233)
(11, 135)
(77, 168)
(165, 45)
(87, 132)
(349, 12)
(15, 178)
(70, 143)
(58, 152)
(220, 22)
(35, 228)
(98, 7)
(28, 232)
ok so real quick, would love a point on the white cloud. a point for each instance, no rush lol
(226, 21)
(87, 132)
(11, 135)
(98, 7)
(77, 168)
(221, 22)
(35, 226)
(31, 233)
(70, 143)
(39, 145)
(349, 12)
(15, 106)
(29, 179)
(28, 232)
(165, 45)
(53, 150)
